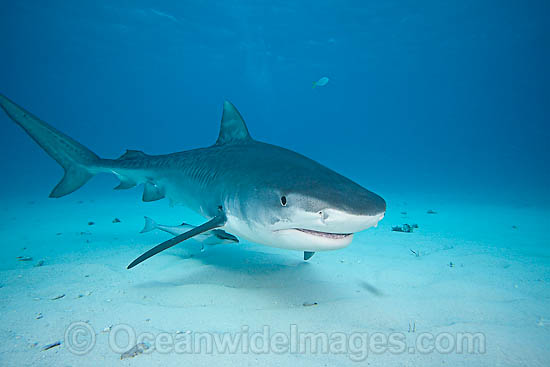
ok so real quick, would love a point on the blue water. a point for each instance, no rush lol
(443, 101)
(438, 96)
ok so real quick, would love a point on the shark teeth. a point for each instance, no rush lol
(324, 234)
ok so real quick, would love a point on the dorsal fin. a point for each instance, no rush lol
(132, 154)
(233, 129)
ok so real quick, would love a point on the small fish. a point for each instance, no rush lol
(321, 82)
(309, 304)
(212, 237)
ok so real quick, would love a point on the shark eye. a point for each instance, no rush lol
(283, 200)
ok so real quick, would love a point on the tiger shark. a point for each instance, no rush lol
(260, 192)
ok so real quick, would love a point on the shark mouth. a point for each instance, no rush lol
(335, 236)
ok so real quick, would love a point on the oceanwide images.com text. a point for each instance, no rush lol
(81, 338)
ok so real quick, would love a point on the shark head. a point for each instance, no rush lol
(287, 200)
(299, 204)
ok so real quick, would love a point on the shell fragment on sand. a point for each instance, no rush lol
(52, 345)
(135, 350)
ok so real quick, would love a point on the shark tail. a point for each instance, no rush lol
(149, 225)
(77, 160)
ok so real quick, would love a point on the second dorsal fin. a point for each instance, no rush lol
(132, 154)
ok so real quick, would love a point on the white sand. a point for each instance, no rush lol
(499, 285)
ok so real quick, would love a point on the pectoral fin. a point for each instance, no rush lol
(215, 222)
(152, 192)
(125, 183)
(308, 255)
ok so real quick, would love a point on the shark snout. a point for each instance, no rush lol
(378, 205)
(337, 221)
(354, 213)
(368, 204)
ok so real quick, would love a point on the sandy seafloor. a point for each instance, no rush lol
(499, 284)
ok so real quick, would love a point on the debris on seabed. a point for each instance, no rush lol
(431, 212)
(52, 345)
(406, 228)
(135, 350)
(116, 220)
(543, 322)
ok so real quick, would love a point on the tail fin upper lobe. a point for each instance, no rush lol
(75, 158)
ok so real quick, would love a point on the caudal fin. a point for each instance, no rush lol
(149, 225)
(75, 158)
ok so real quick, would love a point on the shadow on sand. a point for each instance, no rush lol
(282, 276)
